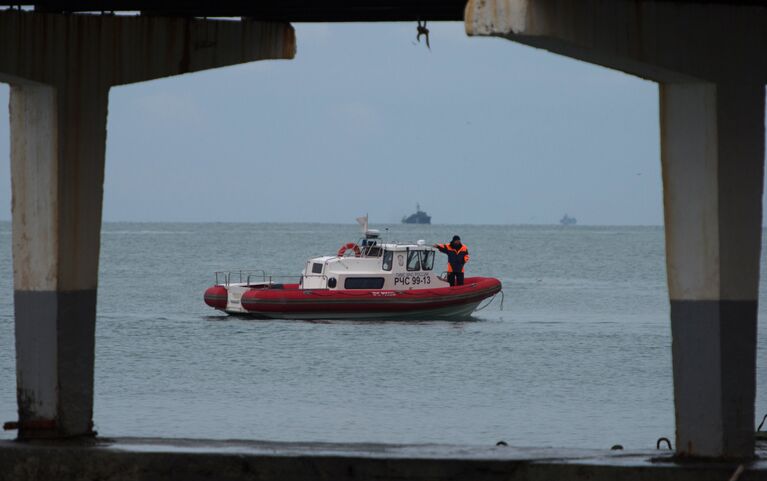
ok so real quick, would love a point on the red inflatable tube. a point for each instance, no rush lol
(291, 299)
(216, 297)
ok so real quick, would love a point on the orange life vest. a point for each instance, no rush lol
(456, 259)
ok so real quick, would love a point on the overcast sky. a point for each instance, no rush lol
(478, 130)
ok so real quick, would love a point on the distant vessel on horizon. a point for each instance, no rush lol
(420, 217)
(567, 220)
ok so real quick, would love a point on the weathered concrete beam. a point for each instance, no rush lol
(656, 40)
(116, 50)
(61, 68)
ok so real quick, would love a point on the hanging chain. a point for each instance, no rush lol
(422, 30)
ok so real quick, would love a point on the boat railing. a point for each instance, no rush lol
(239, 276)
(272, 279)
(254, 276)
(313, 276)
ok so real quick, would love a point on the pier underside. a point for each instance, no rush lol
(709, 61)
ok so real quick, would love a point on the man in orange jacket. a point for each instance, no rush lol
(457, 257)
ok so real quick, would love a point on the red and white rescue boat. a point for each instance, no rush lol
(371, 279)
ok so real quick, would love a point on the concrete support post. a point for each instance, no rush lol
(712, 153)
(57, 164)
(60, 68)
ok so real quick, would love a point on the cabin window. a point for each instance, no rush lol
(388, 260)
(370, 248)
(364, 283)
(427, 260)
(316, 268)
(413, 261)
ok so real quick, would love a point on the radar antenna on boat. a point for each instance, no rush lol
(363, 222)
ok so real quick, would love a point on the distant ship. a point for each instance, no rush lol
(567, 220)
(420, 217)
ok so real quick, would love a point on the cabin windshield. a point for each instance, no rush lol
(388, 260)
(413, 261)
(427, 260)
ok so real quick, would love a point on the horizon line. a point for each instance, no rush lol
(521, 224)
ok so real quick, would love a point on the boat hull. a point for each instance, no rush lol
(323, 304)
(449, 313)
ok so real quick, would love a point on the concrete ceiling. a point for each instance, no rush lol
(274, 10)
(291, 10)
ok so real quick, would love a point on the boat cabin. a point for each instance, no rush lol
(374, 264)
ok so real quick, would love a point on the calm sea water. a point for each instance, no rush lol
(578, 357)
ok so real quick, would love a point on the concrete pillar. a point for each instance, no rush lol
(713, 163)
(57, 167)
(709, 61)
(60, 68)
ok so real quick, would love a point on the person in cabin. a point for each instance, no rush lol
(457, 257)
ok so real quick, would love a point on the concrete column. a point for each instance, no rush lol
(57, 164)
(713, 163)
(709, 60)
(61, 68)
